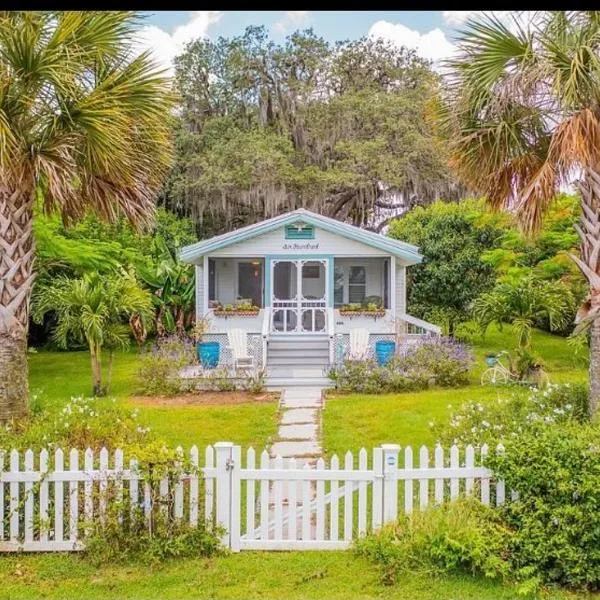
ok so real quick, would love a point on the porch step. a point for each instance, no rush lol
(278, 383)
(297, 360)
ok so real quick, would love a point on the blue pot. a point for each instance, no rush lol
(491, 361)
(384, 351)
(209, 353)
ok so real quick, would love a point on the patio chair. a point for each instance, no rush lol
(359, 344)
(238, 344)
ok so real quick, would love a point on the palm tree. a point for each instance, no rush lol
(83, 126)
(525, 303)
(93, 310)
(522, 113)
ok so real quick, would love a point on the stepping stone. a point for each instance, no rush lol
(298, 415)
(301, 402)
(298, 432)
(296, 449)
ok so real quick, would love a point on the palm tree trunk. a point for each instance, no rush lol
(589, 263)
(16, 279)
(96, 370)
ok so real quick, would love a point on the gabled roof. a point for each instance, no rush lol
(408, 252)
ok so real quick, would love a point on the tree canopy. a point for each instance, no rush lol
(340, 128)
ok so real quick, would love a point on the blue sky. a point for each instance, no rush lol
(429, 32)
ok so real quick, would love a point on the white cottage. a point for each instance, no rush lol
(298, 284)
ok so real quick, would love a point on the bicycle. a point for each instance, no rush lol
(497, 373)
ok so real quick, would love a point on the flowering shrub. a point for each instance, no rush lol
(160, 365)
(81, 423)
(431, 361)
(506, 419)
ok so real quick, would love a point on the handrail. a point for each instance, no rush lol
(420, 323)
(266, 326)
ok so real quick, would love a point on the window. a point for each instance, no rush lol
(299, 231)
(357, 284)
(250, 282)
(338, 285)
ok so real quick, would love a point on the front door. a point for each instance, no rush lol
(299, 295)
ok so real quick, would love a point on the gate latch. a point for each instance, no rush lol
(229, 464)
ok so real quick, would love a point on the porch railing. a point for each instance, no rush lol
(407, 324)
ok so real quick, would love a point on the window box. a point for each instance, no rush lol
(380, 312)
(219, 312)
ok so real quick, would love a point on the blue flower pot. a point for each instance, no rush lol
(491, 361)
(384, 351)
(209, 353)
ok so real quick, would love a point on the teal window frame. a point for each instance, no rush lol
(306, 233)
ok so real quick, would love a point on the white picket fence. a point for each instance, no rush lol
(275, 506)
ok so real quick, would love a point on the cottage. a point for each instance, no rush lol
(298, 285)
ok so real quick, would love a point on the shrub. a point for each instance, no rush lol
(81, 423)
(159, 370)
(556, 521)
(431, 361)
(505, 419)
(462, 536)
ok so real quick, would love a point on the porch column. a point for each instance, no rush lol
(392, 287)
(199, 290)
(205, 286)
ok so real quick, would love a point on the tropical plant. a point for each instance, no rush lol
(94, 310)
(523, 303)
(522, 114)
(173, 286)
(84, 125)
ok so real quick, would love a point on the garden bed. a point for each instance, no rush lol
(236, 313)
(209, 398)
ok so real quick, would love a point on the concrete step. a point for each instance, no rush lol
(275, 384)
(305, 361)
(297, 347)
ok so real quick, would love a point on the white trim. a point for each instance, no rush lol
(392, 286)
(205, 283)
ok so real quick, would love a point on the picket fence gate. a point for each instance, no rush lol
(276, 505)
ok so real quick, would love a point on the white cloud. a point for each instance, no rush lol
(511, 18)
(433, 45)
(292, 18)
(165, 46)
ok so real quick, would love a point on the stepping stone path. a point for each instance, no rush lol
(299, 431)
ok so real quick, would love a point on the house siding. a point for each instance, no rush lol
(400, 289)
(324, 243)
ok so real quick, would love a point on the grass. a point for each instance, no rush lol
(59, 375)
(353, 421)
(249, 575)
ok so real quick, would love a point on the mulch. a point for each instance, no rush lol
(206, 399)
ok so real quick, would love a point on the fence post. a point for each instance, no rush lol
(224, 461)
(390, 482)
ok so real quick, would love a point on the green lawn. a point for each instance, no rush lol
(353, 421)
(245, 576)
(60, 375)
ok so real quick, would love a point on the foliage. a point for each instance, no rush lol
(437, 361)
(81, 423)
(524, 304)
(452, 239)
(159, 366)
(116, 542)
(555, 520)
(506, 419)
(458, 537)
(265, 128)
(92, 310)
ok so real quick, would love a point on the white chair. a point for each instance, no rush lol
(359, 344)
(238, 344)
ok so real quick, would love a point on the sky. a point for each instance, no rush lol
(430, 33)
